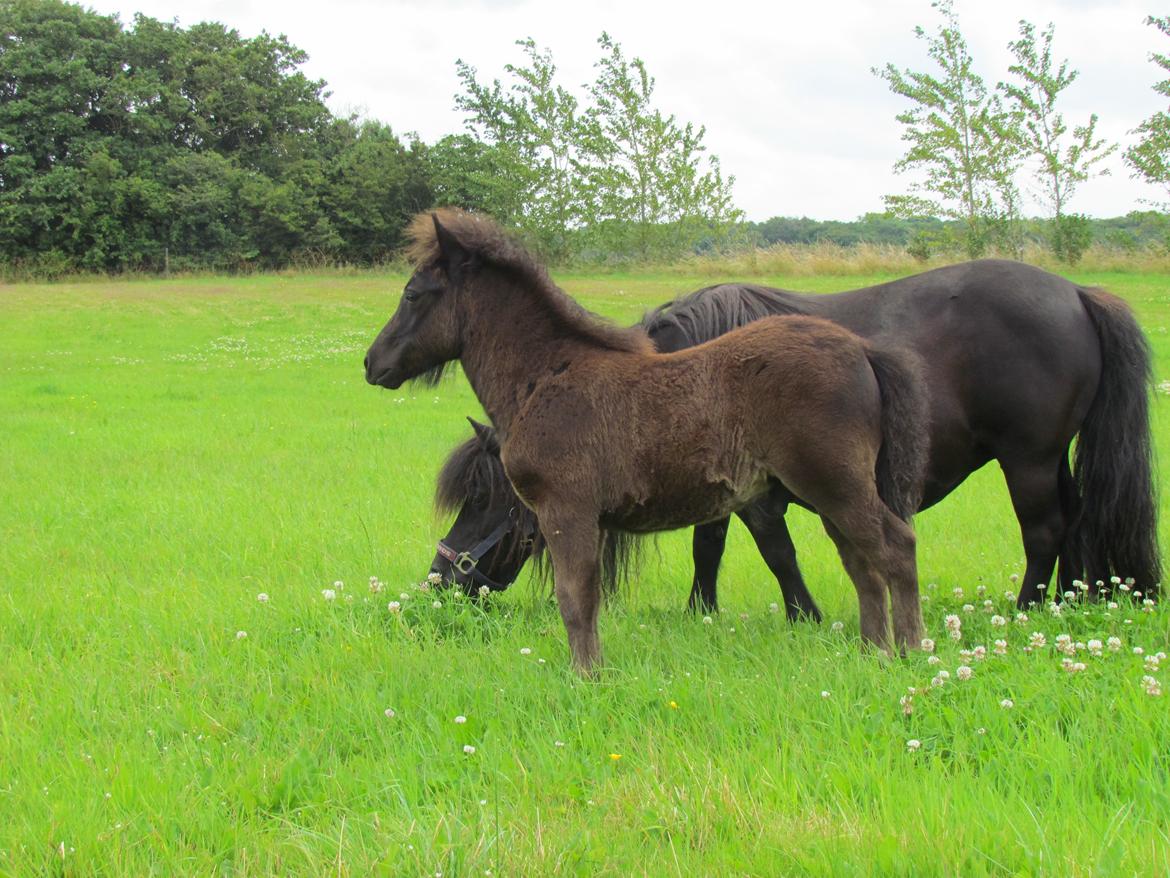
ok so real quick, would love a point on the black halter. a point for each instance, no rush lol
(467, 562)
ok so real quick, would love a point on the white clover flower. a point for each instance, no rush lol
(390, 714)
(968, 608)
(963, 672)
(1151, 685)
(1137, 650)
(1147, 606)
(1000, 647)
(913, 744)
(981, 731)
(1113, 605)
(376, 585)
(981, 590)
(937, 681)
(1151, 663)
(339, 585)
(1126, 586)
(438, 605)
(460, 720)
(954, 626)
(966, 653)
(1069, 595)
(1021, 618)
(707, 620)
(1009, 596)
(524, 650)
(434, 578)
(241, 635)
(484, 591)
(1115, 580)
(262, 597)
(907, 702)
(774, 608)
(1007, 704)
(998, 621)
(957, 592)
(1015, 577)
(1096, 647)
(838, 626)
(394, 607)
(979, 653)
(1054, 608)
(825, 693)
(1037, 640)
(934, 660)
(329, 594)
(558, 743)
(989, 605)
(927, 644)
(1114, 644)
(468, 749)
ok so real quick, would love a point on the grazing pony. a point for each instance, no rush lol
(599, 432)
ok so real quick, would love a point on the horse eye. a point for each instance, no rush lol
(411, 295)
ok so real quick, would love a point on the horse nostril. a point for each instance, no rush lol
(366, 362)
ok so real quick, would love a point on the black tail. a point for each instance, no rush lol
(1115, 534)
(901, 463)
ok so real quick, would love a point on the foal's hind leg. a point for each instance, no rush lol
(574, 542)
(707, 549)
(878, 550)
(867, 580)
(765, 519)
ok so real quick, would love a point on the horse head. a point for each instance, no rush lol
(494, 534)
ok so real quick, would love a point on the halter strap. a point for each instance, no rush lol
(467, 562)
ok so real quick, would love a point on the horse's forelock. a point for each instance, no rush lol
(471, 470)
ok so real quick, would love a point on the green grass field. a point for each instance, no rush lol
(171, 450)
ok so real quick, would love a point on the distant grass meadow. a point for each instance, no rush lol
(170, 451)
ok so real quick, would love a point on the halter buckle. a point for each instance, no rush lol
(464, 563)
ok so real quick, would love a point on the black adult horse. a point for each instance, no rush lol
(1018, 362)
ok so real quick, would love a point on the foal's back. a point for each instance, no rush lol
(660, 441)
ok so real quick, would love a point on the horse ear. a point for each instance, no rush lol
(453, 256)
(485, 434)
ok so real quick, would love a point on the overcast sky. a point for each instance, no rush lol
(784, 89)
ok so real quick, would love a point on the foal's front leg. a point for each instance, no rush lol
(574, 541)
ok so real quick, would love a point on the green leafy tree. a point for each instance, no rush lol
(533, 130)
(374, 185)
(1064, 158)
(466, 172)
(1150, 156)
(646, 170)
(955, 132)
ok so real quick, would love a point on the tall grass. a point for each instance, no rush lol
(171, 451)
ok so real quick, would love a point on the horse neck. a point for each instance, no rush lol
(511, 340)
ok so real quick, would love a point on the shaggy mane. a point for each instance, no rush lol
(485, 238)
(712, 311)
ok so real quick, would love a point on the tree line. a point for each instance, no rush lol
(970, 143)
(155, 146)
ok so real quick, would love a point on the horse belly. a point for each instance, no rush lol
(693, 499)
